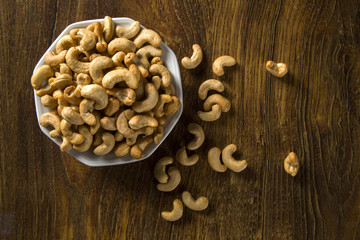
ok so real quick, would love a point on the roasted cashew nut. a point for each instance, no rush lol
(97, 140)
(159, 134)
(197, 205)
(215, 161)
(172, 107)
(118, 137)
(125, 95)
(88, 38)
(108, 123)
(137, 150)
(52, 119)
(156, 80)
(70, 115)
(159, 107)
(212, 115)
(176, 213)
(54, 60)
(67, 132)
(65, 145)
(49, 101)
(97, 28)
(217, 99)
(160, 169)
(140, 121)
(156, 60)
(199, 136)
(119, 75)
(221, 62)
(82, 79)
(195, 60)
(96, 93)
(109, 28)
(72, 95)
(121, 44)
(210, 84)
(291, 164)
(40, 75)
(112, 107)
(45, 90)
(142, 131)
(152, 97)
(83, 147)
(94, 128)
(61, 81)
(65, 43)
(161, 120)
(173, 182)
(72, 59)
(86, 108)
(161, 70)
(144, 53)
(184, 159)
(121, 149)
(97, 66)
(118, 58)
(276, 69)
(147, 36)
(128, 32)
(107, 145)
(229, 161)
(122, 123)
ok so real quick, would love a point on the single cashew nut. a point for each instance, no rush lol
(210, 84)
(217, 99)
(184, 159)
(160, 169)
(152, 97)
(212, 115)
(97, 28)
(291, 164)
(156, 80)
(128, 32)
(121, 149)
(72, 59)
(156, 60)
(230, 162)
(125, 95)
(159, 107)
(97, 66)
(197, 205)
(83, 147)
(157, 69)
(195, 60)
(65, 43)
(61, 81)
(199, 136)
(122, 123)
(140, 121)
(54, 60)
(96, 93)
(86, 108)
(142, 131)
(70, 115)
(112, 107)
(221, 62)
(52, 119)
(107, 145)
(137, 150)
(144, 53)
(48, 101)
(88, 38)
(158, 134)
(276, 69)
(82, 79)
(172, 107)
(67, 132)
(65, 145)
(118, 58)
(72, 95)
(45, 90)
(214, 160)
(97, 140)
(176, 213)
(119, 75)
(147, 36)
(40, 75)
(109, 28)
(121, 44)
(108, 123)
(173, 182)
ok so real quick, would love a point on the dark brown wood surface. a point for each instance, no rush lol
(314, 111)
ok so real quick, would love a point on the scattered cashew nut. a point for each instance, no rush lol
(221, 62)
(176, 213)
(291, 164)
(276, 69)
(230, 162)
(184, 159)
(210, 84)
(199, 136)
(160, 169)
(173, 182)
(222, 101)
(199, 204)
(195, 60)
(215, 161)
(212, 115)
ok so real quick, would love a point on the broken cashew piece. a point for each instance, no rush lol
(40, 75)
(96, 93)
(291, 164)
(221, 62)
(184, 159)
(52, 119)
(147, 36)
(176, 213)
(128, 32)
(108, 123)
(230, 162)
(195, 60)
(210, 84)
(107, 145)
(173, 182)
(214, 160)
(199, 204)
(199, 136)
(276, 69)
(160, 169)
(217, 99)
(212, 115)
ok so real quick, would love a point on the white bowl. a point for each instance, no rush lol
(89, 158)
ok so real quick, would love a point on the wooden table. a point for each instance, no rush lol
(314, 111)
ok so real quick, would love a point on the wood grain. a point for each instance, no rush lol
(314, 111)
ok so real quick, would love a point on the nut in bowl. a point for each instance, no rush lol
(108, 91)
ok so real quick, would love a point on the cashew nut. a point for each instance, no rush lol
(95, 128)
(156, 60)
(197, 205)
(97, 140)
(96, 93)
(212, 115)
(173, 182)
(152, 97)
(157, 69)
(140, 91)
(97, 28)
(121, 149)
(147, 36)
(83, 147)
(61, 81)
(45, 90)
(72, 59)
(97, 66)
(199, 136)
(195, 60)
(119, 75)
(148, 51)
(107, 145)
(161, 120)
(118, 58)
(40, 75)
(158, 134)
(67, 132)
(65, 145)
(291, 164)
(184, 159)
(54, 60)
(52, 119)
(229, 161)
(276, 69)
(88, 38)
(112, 107)
(122, 123)
(72, 116)
(118, 137)
(221, 62)
(82, 79)
(128, 32)
(108, 123)
(172, 107)
(222, 101)
(156, 80)
(214, 160)
(137, 150)
(72, 95)
(176, 213)
(109, 28)
(86, 108)
(121, 44)
(125, 95)
(64, 43)
(48, 101)
(159, 107)
(210, 84)
(160, 169)
(142, 131)
(140, 121)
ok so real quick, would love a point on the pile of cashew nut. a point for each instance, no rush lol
(106, 86)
